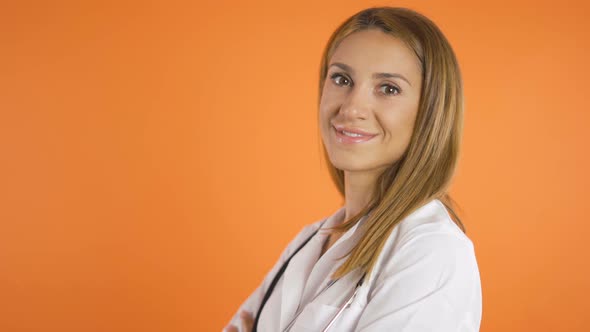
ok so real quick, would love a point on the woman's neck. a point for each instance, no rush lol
(358, 188)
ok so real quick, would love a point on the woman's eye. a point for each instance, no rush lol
(389, 89)
(340, 79)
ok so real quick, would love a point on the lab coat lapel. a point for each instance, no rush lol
(294, 280)
(330, 261)
(298, 271)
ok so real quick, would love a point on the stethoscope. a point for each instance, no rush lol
(332, 282)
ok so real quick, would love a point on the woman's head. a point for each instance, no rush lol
(372, 87)
(423, 118)
(392, 74)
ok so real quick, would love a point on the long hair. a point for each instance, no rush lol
(425, 169)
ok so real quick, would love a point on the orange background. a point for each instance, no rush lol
(156, 158)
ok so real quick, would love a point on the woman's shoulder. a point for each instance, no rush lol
(426, 273)
(427, 236)
(431, 220)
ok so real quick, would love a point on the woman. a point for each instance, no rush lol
(392, 258)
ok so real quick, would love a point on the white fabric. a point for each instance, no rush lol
(426, 279)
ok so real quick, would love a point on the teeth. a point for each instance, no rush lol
(351, 134)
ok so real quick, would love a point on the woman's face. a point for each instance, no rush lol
(372, 88)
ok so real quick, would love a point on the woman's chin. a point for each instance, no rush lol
(358, 165)
(352, 166)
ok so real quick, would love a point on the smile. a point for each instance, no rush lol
(351, 137)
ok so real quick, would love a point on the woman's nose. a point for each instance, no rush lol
(358, 103)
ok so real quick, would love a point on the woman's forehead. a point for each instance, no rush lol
(376, 51)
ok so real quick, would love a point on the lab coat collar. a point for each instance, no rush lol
(334, 257)
(302, 280)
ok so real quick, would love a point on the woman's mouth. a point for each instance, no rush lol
(351, 136)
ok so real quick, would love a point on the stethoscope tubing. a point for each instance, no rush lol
(332, 282)
(346, 304)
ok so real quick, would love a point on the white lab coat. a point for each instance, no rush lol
(426, 279)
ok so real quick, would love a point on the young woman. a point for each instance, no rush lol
(392, 258)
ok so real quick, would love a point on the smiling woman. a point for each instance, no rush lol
(392, 258)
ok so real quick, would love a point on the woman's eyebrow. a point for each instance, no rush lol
(375, 75)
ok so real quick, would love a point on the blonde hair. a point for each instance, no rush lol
(425, 170)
